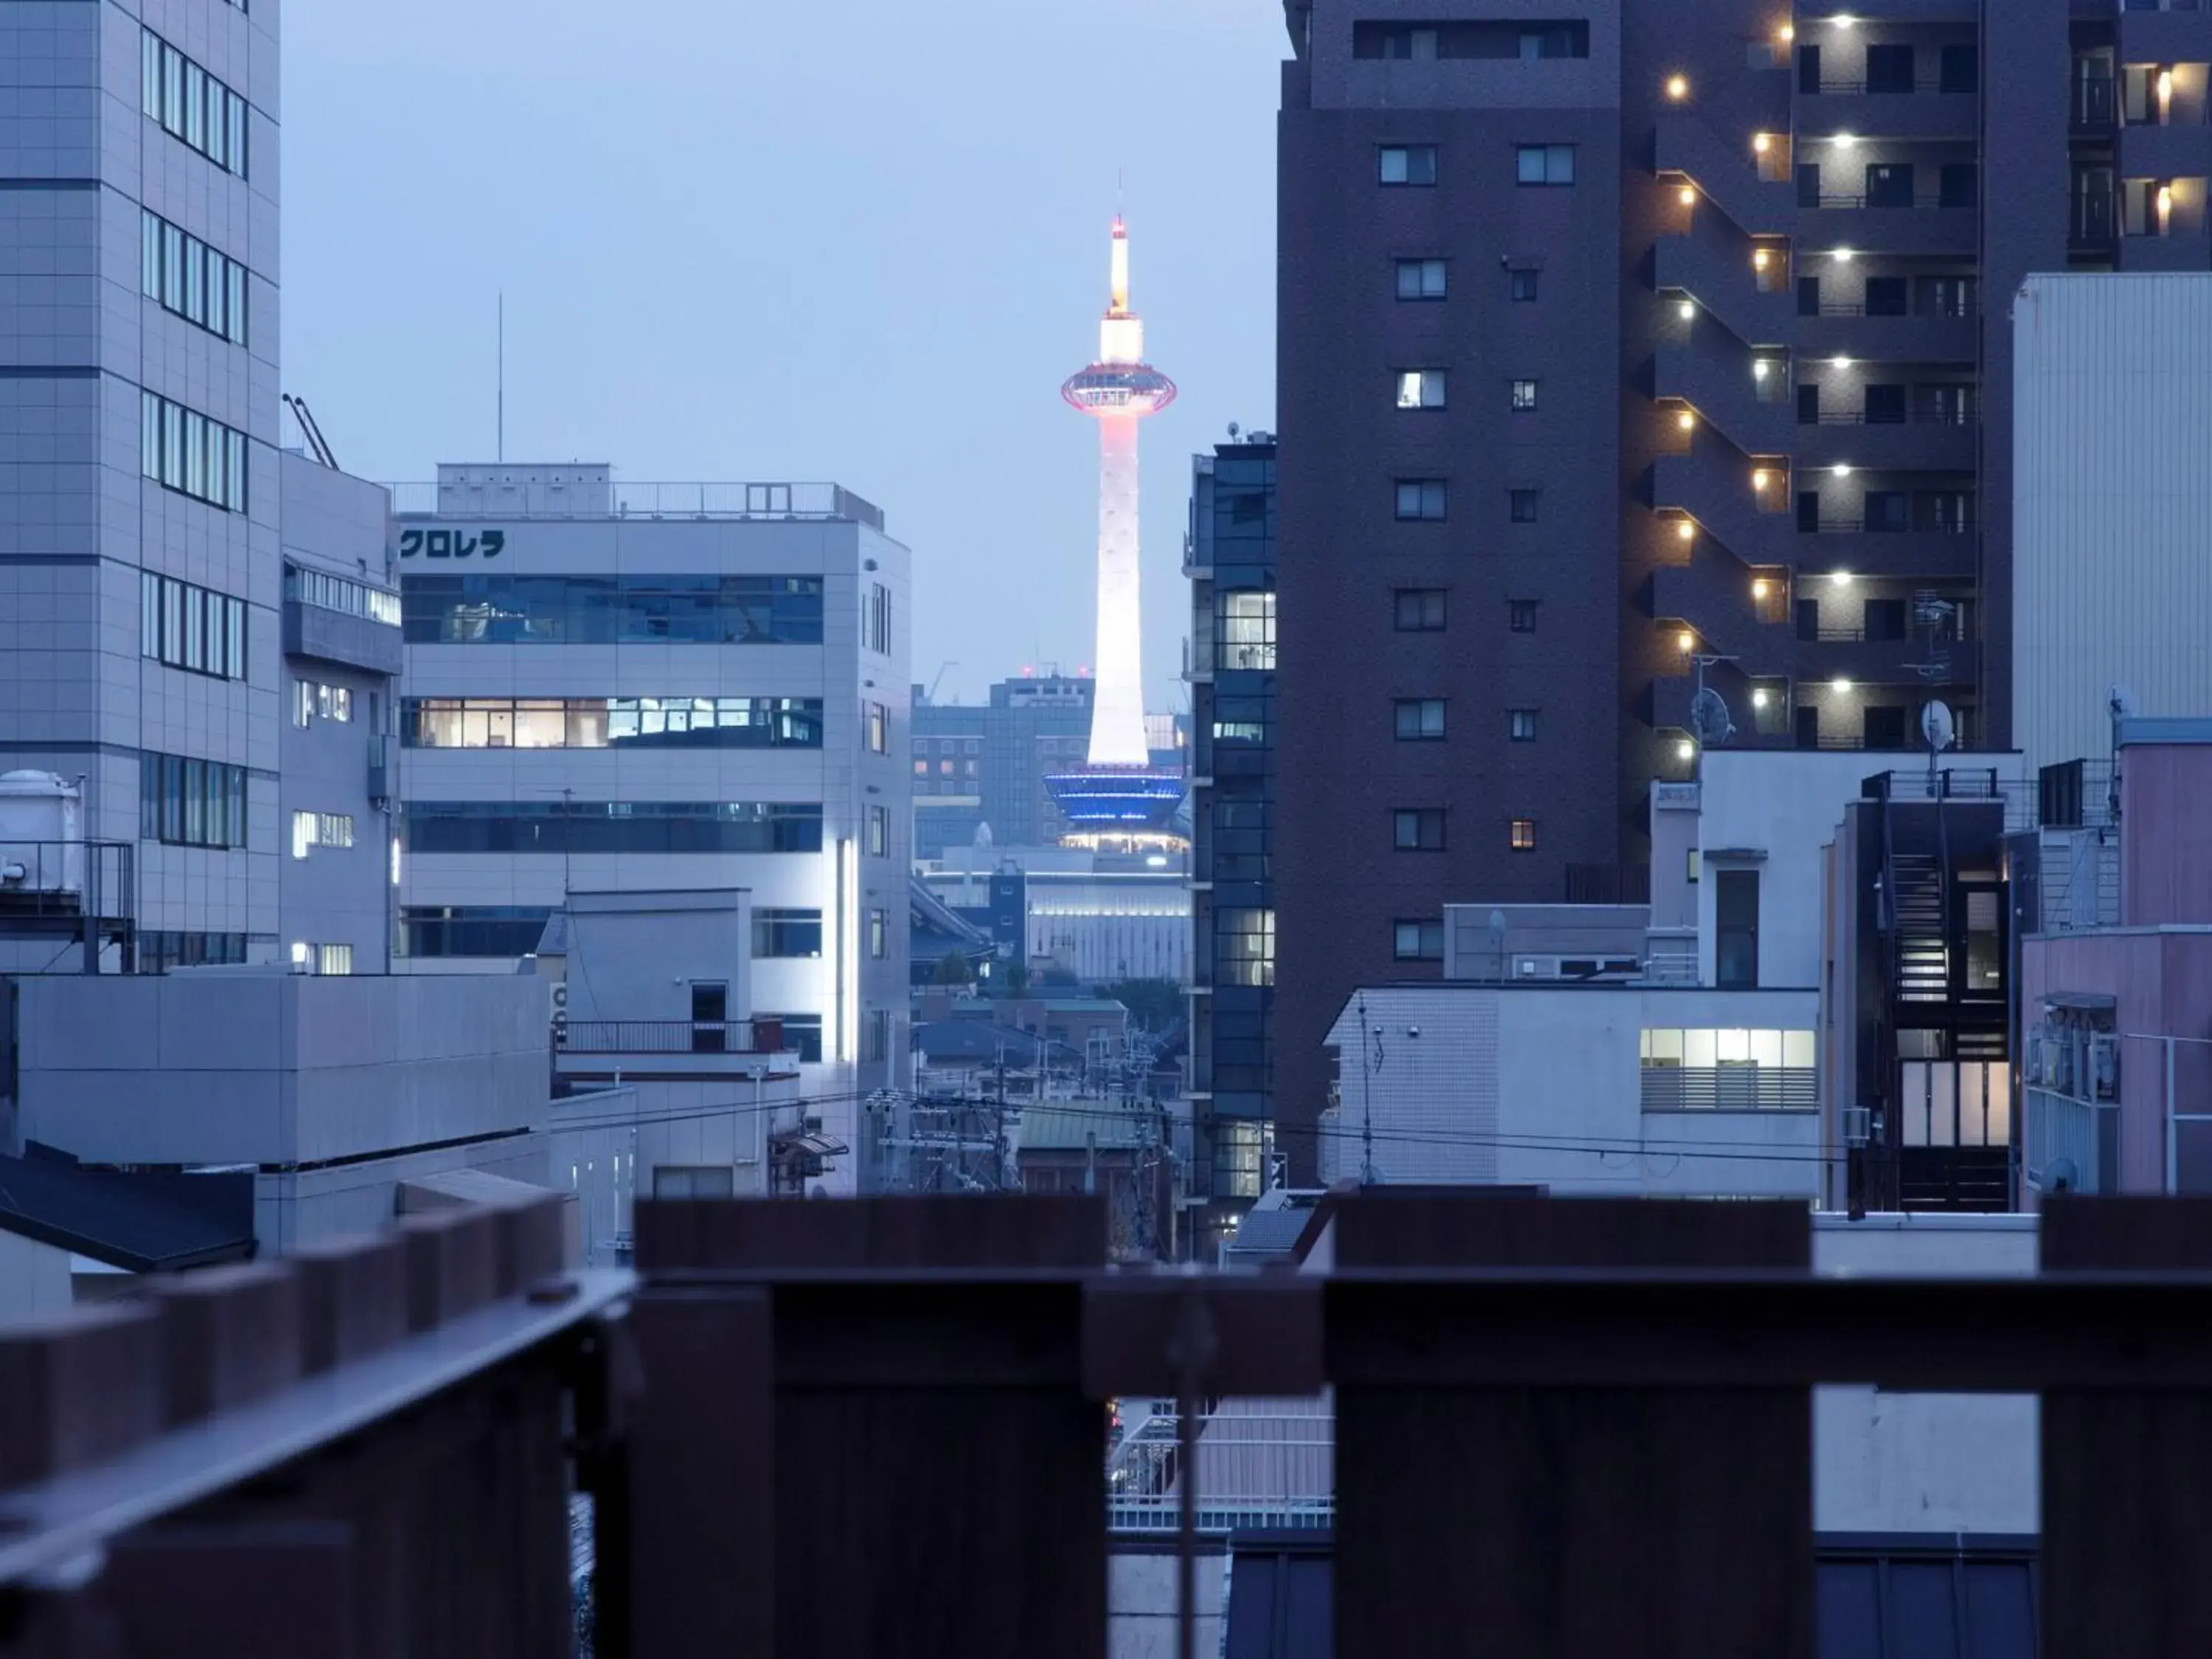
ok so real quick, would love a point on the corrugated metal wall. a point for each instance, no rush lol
(2113, 535)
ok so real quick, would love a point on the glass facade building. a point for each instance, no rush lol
(1232, 564)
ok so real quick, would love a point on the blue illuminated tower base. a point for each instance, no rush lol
(1114, 800)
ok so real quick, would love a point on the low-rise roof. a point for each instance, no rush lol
(1067, 1125)
(139, 1223)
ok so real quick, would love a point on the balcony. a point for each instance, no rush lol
(1847, 545)
(669, 1036)
(1922, 338)
(2175, 32)
(1929, 111)
(2180, 151)
(1727, 175)
(1850, 438)
(1847, 655)
(390, 1438)
(340, 636)
(2179, 252)
(1927, 225)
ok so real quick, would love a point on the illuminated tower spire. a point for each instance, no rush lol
(1119, 389)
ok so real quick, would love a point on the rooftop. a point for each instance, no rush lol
(574, 493)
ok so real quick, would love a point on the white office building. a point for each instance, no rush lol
(617, 687)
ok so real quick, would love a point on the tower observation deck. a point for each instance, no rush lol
(1118, 791)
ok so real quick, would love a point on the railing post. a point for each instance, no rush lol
(2125, 1502)
(1551, 1521)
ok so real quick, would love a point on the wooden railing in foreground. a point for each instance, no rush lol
(1564, 1428)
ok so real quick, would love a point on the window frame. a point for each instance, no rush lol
(1420, 598)
(1413, 160)
(1521, 835)
(1521, 725)
(1429, 388)
(1421, 268)
(1423, 929)
(1419, 719)
(1412, 827)
(1426, 490)
(1553, 166)
(1522, 505)
(1522, 396)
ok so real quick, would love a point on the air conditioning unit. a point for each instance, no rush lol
(2059, 1063)
(2104, 1068)
(1857, 1125)
(560, 998)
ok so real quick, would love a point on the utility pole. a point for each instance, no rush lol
(1367, 1176)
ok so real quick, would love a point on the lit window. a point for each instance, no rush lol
(1419, 719)
(879, 726)
(334, 958)
(879, 934)
(1420, 279)
(1420, 498)
(1408, 164)
(1545, 164)
(1420, 388)
(1524, 835)
(1524, 396)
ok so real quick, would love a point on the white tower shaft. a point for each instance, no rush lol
(1117, 710)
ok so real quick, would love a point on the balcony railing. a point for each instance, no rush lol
(1889, 527)
(1918, 199)
(2060, 1141)
(876, 1426)
(1730, 1088)
(1961, 312)
(668, 1037)
(1919, 83)
(590, 498)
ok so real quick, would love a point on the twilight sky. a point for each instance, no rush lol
(859, 240)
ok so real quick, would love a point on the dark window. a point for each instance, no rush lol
(1736, 905)
(1544, 164)
(1418, 941)
(1959, 184)
(1889, 184)
(1808, 296)
(1885, 510)
(1808, 726)
(1961, 68)
(1520, 616)
(1883, 726)
(1949, 297)
(1885, 406)
(1419, 719)
(1420, 498)
(1808, 510)
(786, 933)
(1407, 164)
(1885, 296)
(1809, 403)
(1523, 396)
(1885, 619)
(1808, 68)
(1809, 619)
(1523, 283)
(470, 930)
(612, 827)
(802, 1035)
(1889, 68)
(1524, 505)
(1944, 406)
(1521, 725)
(1521, 835)
(1530, 39)
(1925, 1605)
(1420, 279)
(1950, 511)
(1420, 609)
(1808, 184)
(1418, 828)
(191, 803)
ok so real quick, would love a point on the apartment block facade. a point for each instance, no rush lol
(1627, 348)
(985, 764)
(139, 564)
(615, 688)
(1229, 558)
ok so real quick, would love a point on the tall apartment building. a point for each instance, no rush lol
(139, 562)
(615, 688)
(1635, 343)
(1230, 561)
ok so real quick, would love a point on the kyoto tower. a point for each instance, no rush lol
(1118, 792)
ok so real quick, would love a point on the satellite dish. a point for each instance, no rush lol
(1708, 719)
(1232, 432)
(1937, 727)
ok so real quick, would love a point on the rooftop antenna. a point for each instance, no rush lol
(2121, 703)
(502, 376)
